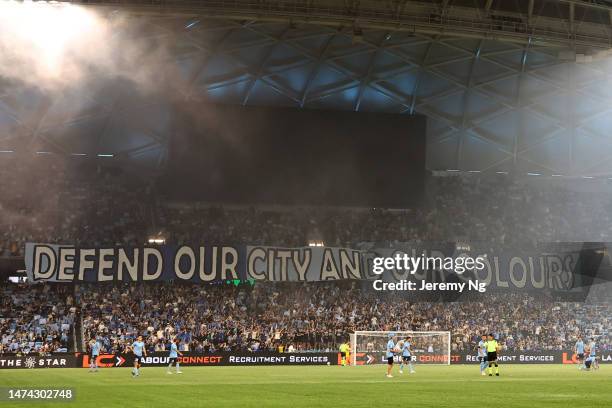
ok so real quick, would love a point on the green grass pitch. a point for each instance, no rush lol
(321, 386)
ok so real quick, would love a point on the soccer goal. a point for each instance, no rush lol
(430, 347)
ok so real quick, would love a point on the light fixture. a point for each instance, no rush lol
(158, 240)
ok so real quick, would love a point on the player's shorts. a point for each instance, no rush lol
(580, 356)
(138, 359)
(390, 360)
(482, 359)
(93, 356)
(343, 354)
(406, 359)
(492, 356)
(588, 363)
(173, 360)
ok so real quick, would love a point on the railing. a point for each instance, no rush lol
(415, 15)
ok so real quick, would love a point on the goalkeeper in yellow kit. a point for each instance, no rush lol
(492, 349)
(345, 351)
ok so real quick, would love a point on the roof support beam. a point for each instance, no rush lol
(530, 11)
(315, 71)
(204, 61)
(572, 14)
(262, 66)
(419, 77)
(519, 100)
(365, 82)
(466, 100)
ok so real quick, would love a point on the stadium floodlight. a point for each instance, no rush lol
(45, 38)
(157, 240)
(192, 24)
(316, 243)
(428, 347)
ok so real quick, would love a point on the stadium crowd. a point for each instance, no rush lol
(37, 318)
(312, 316)
(318, 316)
(59, 202)
(63, 202)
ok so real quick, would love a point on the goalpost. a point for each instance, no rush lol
(428, 347)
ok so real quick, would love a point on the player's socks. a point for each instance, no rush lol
(178, 368)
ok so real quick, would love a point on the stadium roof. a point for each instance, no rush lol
(579, 23)
(507, 85)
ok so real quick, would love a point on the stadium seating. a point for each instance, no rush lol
(313, 316)
(62, 205)
(80, 207)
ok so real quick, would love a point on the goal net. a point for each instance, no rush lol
(369, 347)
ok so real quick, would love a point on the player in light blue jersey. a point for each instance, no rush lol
(94, 352)
(591, 361)
(482, 354)
(174, 353)
(390, 352)
(579, 351)
(139, 350)
(407, 355)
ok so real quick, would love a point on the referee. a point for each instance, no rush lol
(492, 348)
